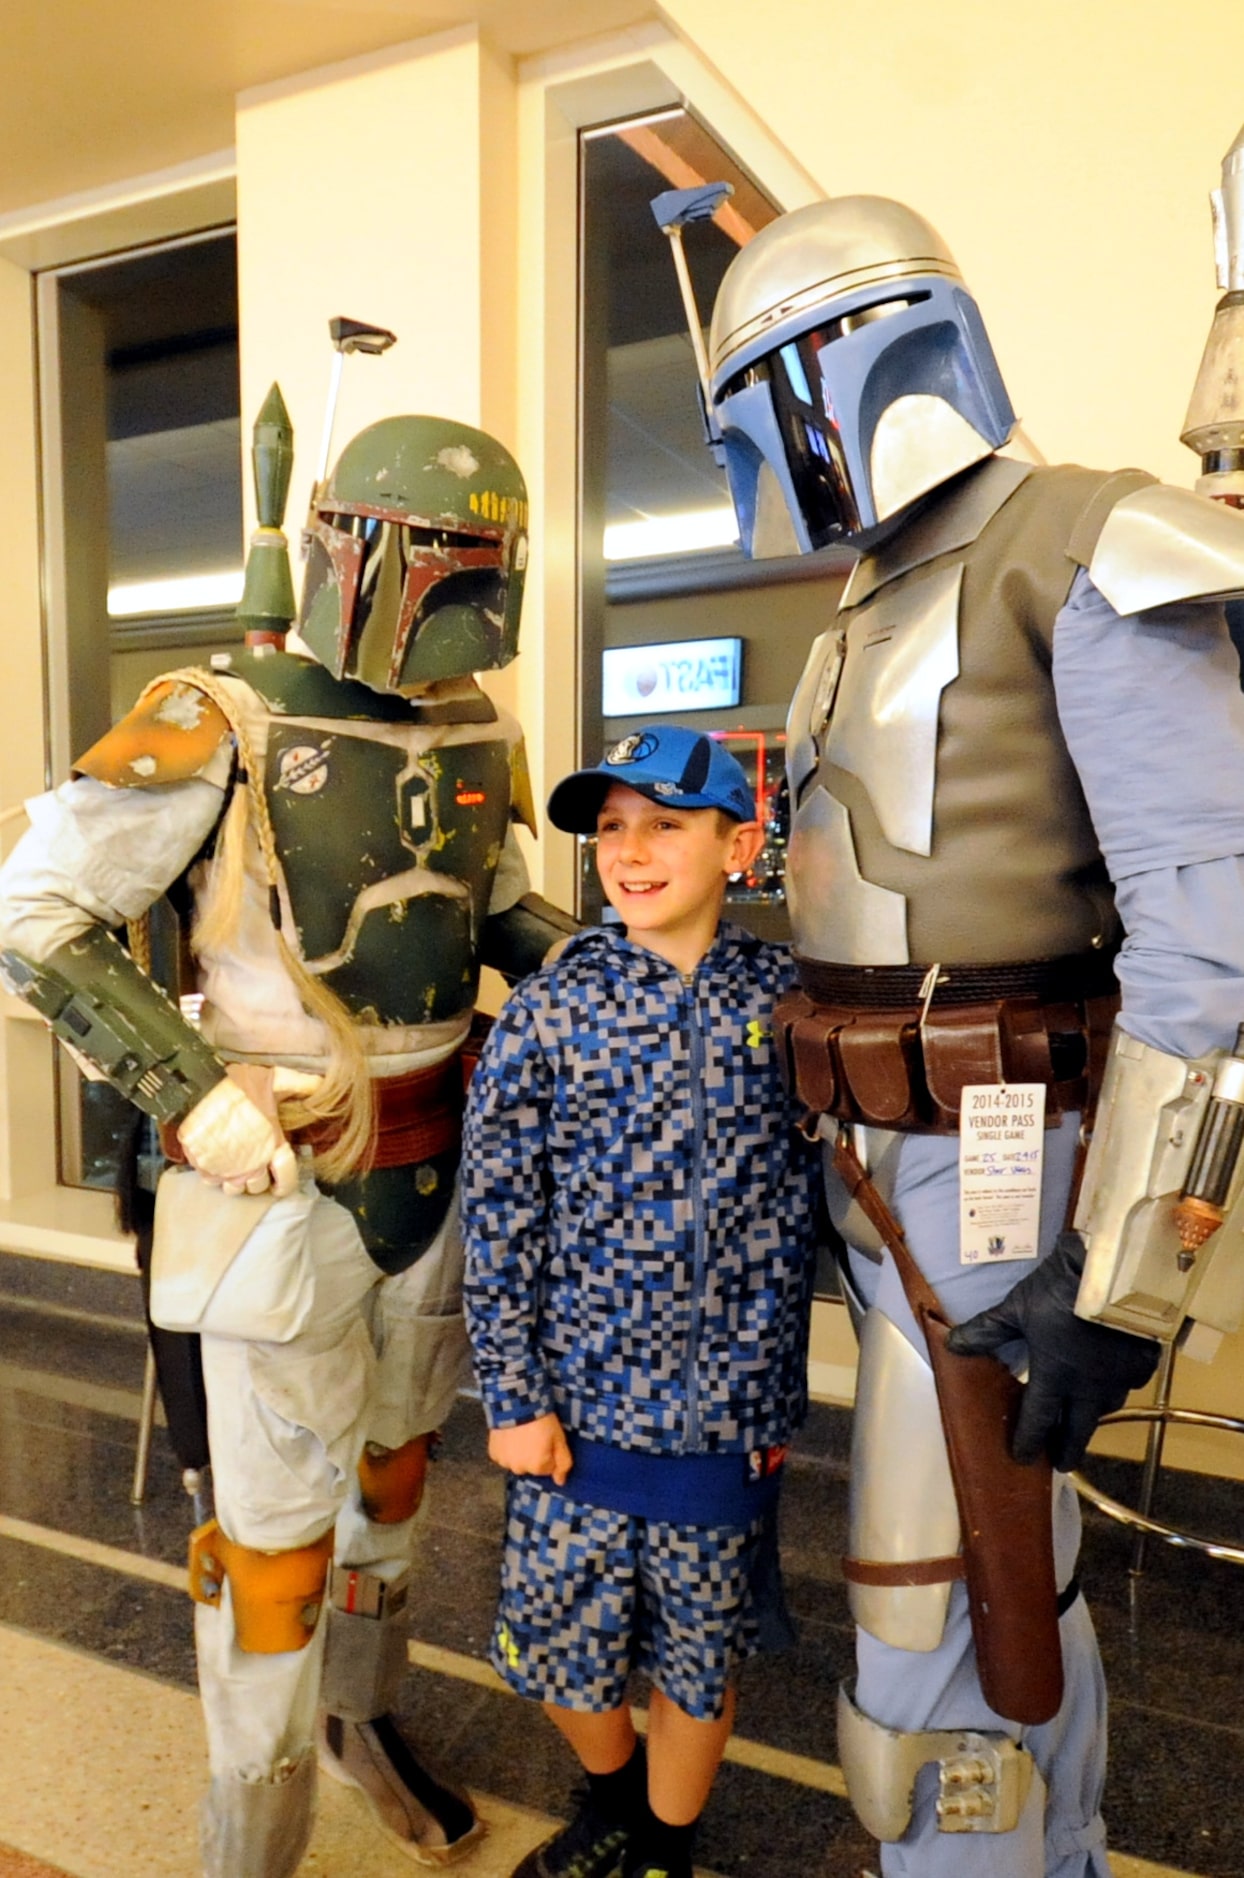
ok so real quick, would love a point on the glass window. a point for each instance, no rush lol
(143, 504)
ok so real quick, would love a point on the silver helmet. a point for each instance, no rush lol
(849, 372)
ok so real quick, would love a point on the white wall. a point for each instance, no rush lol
(1065, 149)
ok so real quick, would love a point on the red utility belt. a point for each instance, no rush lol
(417, 1117)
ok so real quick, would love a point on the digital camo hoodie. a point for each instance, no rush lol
(638, 1208)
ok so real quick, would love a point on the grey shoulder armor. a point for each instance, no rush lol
(1159, 545)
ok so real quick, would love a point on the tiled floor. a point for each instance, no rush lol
(104, 1753)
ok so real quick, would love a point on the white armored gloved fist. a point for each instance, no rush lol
(232, 1136)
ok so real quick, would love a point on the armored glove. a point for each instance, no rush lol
(1078, 1371)
(230, 1138)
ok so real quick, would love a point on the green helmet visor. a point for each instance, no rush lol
(379, 578)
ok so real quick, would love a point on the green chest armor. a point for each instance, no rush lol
(389, 819)
(389, 829)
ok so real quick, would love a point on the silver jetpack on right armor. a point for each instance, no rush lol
(953, 917)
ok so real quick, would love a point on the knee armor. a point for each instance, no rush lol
(276, 1596)
(983, 1779)
(391, 1480)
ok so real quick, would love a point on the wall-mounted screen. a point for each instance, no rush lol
(676, 675)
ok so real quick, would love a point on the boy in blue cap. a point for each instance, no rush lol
(638, 1211)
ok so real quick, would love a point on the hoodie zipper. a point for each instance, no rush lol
(695, 1041)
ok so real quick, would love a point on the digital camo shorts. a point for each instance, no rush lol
(587, 1595)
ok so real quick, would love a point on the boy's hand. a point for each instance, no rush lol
(537, 1447)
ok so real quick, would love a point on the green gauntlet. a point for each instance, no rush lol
(97, 1001)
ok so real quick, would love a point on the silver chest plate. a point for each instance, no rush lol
(834, 912)
(869, 702)
(901, 656)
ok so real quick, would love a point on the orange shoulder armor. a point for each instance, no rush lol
(172, 734)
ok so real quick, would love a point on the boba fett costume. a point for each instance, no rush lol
(994, 811)
(342, 816)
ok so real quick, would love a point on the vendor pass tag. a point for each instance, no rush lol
(1001, 1143)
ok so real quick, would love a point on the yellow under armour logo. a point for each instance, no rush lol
(756, 1035)
(509, 1649)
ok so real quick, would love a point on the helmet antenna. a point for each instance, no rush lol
(347, 336)
(672, 211)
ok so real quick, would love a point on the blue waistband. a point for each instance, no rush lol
(679, 1489)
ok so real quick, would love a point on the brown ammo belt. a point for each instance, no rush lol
(894, 1046)
(417, 1116)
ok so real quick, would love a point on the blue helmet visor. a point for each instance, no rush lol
(810, 432)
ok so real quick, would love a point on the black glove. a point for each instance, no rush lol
(1078, 1371)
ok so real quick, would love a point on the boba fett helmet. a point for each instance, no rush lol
(849, 371)
(416, 546)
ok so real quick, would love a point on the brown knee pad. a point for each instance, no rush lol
(276, 1596)
(391, 1480)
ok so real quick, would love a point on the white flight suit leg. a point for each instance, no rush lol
(1061, 1833)
(379, 1359)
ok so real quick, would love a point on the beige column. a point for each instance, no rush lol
(383, 189)
(27, 1133)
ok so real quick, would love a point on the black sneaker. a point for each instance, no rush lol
(591, 1846)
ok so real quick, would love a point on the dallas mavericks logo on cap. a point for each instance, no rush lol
(668, 762)
(632, 749)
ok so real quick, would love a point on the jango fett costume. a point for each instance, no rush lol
(342, 818)
(1015, 762)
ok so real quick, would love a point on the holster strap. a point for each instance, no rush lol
(1005, 1509)
(891, 1573)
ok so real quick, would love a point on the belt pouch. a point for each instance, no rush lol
(962, 1045)
(880, 1067)
(1008, 1551)
(809, 1055)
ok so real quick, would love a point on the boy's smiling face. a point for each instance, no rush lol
(664, 870)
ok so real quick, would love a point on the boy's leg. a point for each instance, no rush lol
(700, 1626)
(564, 1637)
(684, 1754)
(603, 1743)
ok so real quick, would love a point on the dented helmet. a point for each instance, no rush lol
(416, 547)
(850, 374)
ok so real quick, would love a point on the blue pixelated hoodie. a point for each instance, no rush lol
(638, 1206)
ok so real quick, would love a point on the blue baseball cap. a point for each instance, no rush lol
(666, 762)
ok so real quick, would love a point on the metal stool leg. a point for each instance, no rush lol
(1160, 1416)
(146, 1423)
(1153, 1454)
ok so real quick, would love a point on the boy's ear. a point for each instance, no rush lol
(747, 841)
